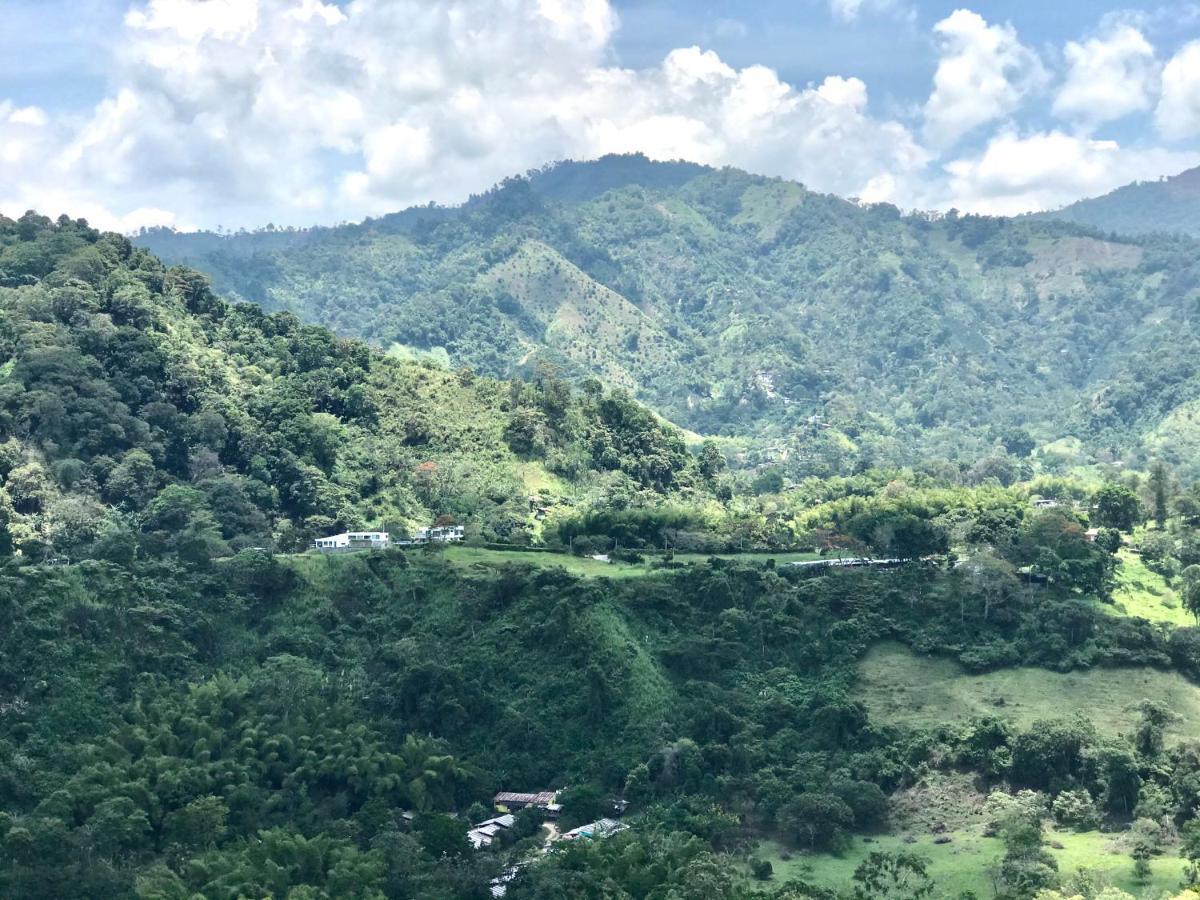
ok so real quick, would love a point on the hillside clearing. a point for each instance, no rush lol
(901, 688)
(962, 864)
(1145, 594)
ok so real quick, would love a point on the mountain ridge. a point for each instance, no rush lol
(1168, 205)
(765, 307)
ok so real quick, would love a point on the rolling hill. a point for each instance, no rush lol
(823, 335)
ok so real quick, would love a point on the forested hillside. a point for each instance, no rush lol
(191, 709)
(1149, 207)
(136, 407)
(836, 336)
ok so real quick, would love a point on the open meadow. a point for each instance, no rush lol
(901, 688)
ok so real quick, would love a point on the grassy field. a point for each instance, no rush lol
(899, 687)
(1140, 592)
(962, 865)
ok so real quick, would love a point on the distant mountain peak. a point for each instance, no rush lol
(1187, 182)
(1169, 205)
(582, 180)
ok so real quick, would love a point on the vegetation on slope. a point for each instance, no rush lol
(185, 715)
(837, 336)
(139, 412)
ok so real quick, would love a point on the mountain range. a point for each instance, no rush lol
(813, 333)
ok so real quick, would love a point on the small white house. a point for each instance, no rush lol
(353, 540)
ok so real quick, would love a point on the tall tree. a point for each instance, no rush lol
(1160, 489)
(1116, 507)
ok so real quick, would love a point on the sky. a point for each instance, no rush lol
(239, 113)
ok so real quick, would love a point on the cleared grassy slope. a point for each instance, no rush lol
(962, 864)
(1145, 594)
(901, 688)
(593, 326)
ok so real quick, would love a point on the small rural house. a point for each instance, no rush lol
(512, 800)
(353, 540)
(483, 834)
(601, 828)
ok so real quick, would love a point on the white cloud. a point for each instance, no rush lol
(242, 111)
(983, 74)
(1178, 113)
(696, 107)
(1050, 169)
(23, 136)
(238, 112)
(1108, 78)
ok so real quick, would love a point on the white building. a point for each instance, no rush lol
(445, 534)
(353, 540)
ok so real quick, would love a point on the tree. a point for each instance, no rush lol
(582, 804)
(1187, 505)
(1108, 540)
(1189, 849)
(896, 531)
(1160, 489)
(1076, 809)
(816, 821)
(866, 799)
(892, 876)
(761, 869)
(1190, 590)
(1120, 775)
(769, 481)
(989, 578)
(712, 460)
(179, 521)
(1018, 441)
(1026, 867)
(1153, 719)
(1117, 507)
(441, 835)
(198, 825)
(1051, 753)
(131, 483)
(1141, 863)
(118, 826)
